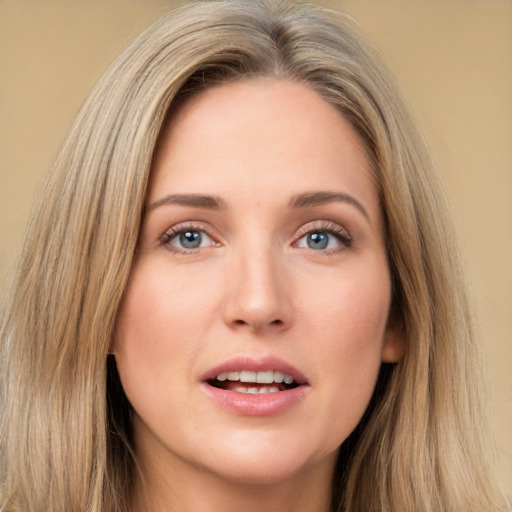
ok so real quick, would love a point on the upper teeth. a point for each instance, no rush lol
(266, 377)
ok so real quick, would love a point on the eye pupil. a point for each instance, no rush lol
(190, 239)
(318, 240)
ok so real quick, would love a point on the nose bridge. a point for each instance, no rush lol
(258, 294)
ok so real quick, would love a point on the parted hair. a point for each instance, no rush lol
(66, 438)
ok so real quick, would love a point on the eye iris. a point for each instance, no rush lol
(190, 239)
(318, 240)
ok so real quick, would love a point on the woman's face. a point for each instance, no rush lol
(261, 258)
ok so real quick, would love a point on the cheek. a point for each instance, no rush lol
(347, 322)
(160, 310)
(348, 311)
(159, 329)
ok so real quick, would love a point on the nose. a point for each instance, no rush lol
(258, 293)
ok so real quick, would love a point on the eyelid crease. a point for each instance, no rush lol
(324, 225)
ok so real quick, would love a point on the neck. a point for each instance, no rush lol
(190, 489)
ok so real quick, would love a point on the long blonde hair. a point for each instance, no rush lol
(66, 429)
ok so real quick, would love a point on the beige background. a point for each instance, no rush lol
(452, 58)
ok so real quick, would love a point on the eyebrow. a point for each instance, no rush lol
(319, 198)
(196, 200)
(216, 203)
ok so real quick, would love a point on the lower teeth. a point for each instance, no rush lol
(249, 387)
(256, 390)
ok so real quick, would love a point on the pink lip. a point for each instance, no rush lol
(267, 404)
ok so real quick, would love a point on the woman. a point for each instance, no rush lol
(242, 198)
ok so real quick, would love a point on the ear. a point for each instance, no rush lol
(395, 343)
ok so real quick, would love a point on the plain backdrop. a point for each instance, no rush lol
(452, 60)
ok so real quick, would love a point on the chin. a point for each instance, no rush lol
(263, 473)
(269, 465)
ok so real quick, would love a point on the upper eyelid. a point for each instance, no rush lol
(181, 227)
(189, 225)
(322, 225)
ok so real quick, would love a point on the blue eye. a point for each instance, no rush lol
(190, 239)
(323, 239)
(317, 240)
(187, 239)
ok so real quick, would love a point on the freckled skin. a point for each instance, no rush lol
(254, 288)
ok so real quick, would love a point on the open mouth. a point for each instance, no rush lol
(254, 383)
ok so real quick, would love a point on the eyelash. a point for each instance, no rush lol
(341, 235)
(180, 229)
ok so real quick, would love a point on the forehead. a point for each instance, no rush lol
(244, 136)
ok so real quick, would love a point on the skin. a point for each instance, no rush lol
(255, 287)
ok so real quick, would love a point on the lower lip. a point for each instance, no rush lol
(265, 404)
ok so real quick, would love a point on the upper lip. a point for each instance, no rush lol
(256, 365)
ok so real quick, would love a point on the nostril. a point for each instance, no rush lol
(276, 322)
